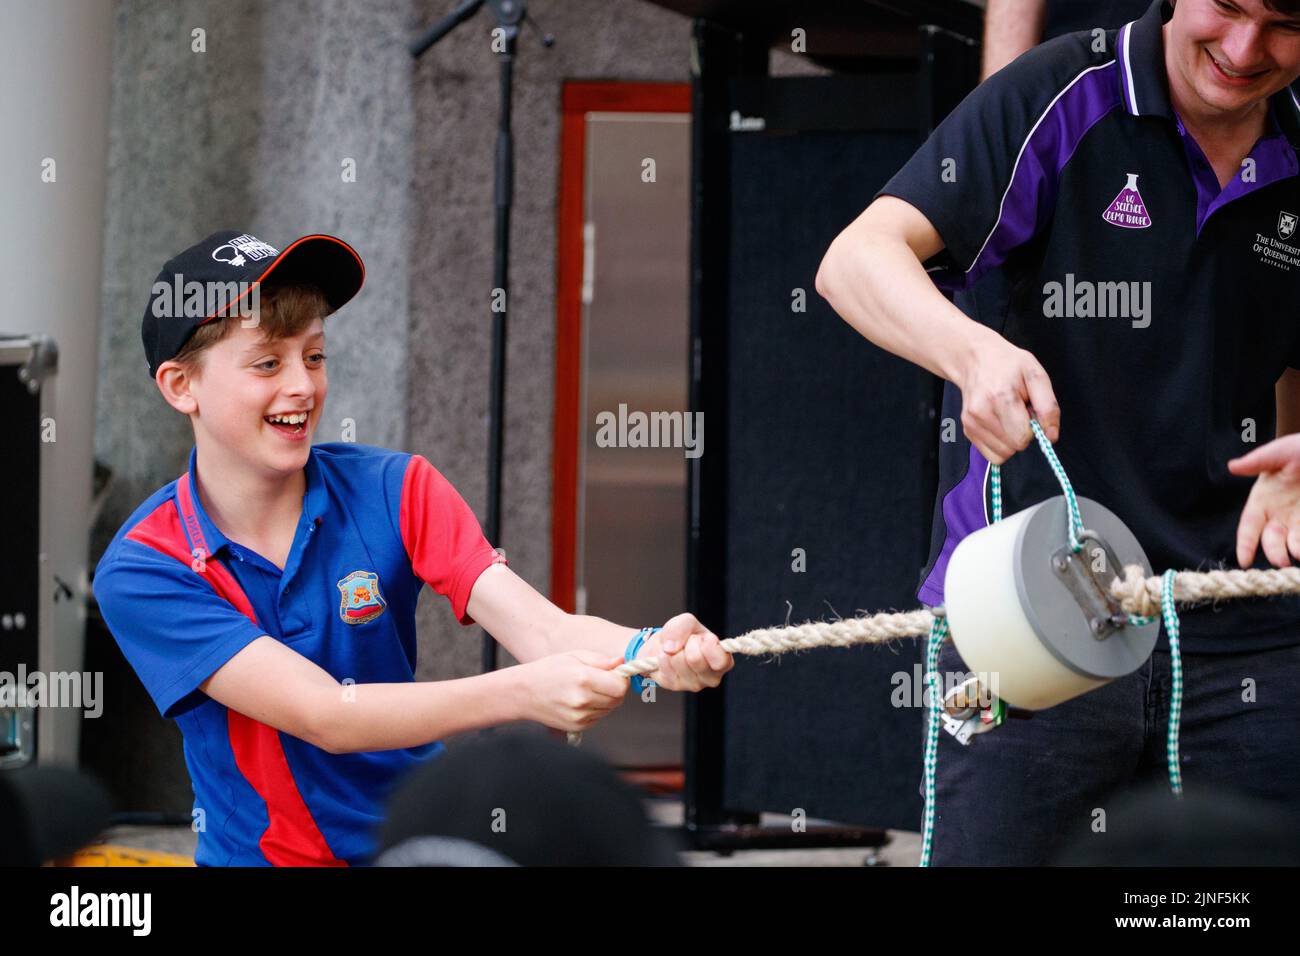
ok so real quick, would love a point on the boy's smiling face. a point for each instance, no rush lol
(244, 380)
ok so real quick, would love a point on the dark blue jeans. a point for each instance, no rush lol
(1021, 792)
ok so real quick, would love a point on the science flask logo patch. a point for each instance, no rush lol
(1127, 210)
(360, 600)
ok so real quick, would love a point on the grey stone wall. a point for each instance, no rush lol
(455, 96)
(252, 134)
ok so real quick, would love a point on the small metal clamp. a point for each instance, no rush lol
(962, 715)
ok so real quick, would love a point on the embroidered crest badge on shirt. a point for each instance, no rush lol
(360, 600)
(1285, 224)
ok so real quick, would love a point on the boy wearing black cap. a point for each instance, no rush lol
(266, 598)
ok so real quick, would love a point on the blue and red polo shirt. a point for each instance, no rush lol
(1161, 305)
(182, 599)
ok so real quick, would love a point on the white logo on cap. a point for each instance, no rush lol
(245, 245)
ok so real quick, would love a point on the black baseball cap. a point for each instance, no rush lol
(225, 267)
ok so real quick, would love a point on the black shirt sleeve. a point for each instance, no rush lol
(986, 177)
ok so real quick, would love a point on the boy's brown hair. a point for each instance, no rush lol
(284, 310)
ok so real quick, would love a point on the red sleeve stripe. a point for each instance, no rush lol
(441, 535)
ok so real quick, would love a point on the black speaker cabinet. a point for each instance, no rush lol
(814, 494)
(23, 365)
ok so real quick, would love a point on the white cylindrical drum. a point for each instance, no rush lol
(1018, 620)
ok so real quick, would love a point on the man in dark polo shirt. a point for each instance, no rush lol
(1140, 191)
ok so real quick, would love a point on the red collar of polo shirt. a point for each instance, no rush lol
(209, 537)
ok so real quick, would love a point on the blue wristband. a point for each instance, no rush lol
(634, 648)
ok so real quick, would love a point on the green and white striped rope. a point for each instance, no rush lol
(939, 632)
(1176, 682)
(995, 492)
(1074, 521)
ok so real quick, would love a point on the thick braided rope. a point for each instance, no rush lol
(1136, 593)
(849, 632)
(1139, 594)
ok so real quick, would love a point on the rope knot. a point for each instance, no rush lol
(1137, 593)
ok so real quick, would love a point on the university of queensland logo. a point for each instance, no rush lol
(1285, 224)
(360, 600)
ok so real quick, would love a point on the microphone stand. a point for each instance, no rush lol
(509, 14)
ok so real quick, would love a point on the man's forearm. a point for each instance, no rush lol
(366, 717)
(877, 284)
(1010, 28)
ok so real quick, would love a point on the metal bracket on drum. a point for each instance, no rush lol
(1090, 587)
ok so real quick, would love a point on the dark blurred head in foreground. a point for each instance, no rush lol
(511, 799)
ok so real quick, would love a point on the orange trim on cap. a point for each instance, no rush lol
(280, 258)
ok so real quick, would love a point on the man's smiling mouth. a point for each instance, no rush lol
(1230, 73)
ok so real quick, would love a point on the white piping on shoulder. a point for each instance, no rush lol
(1128, 69)
(1020, 155)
